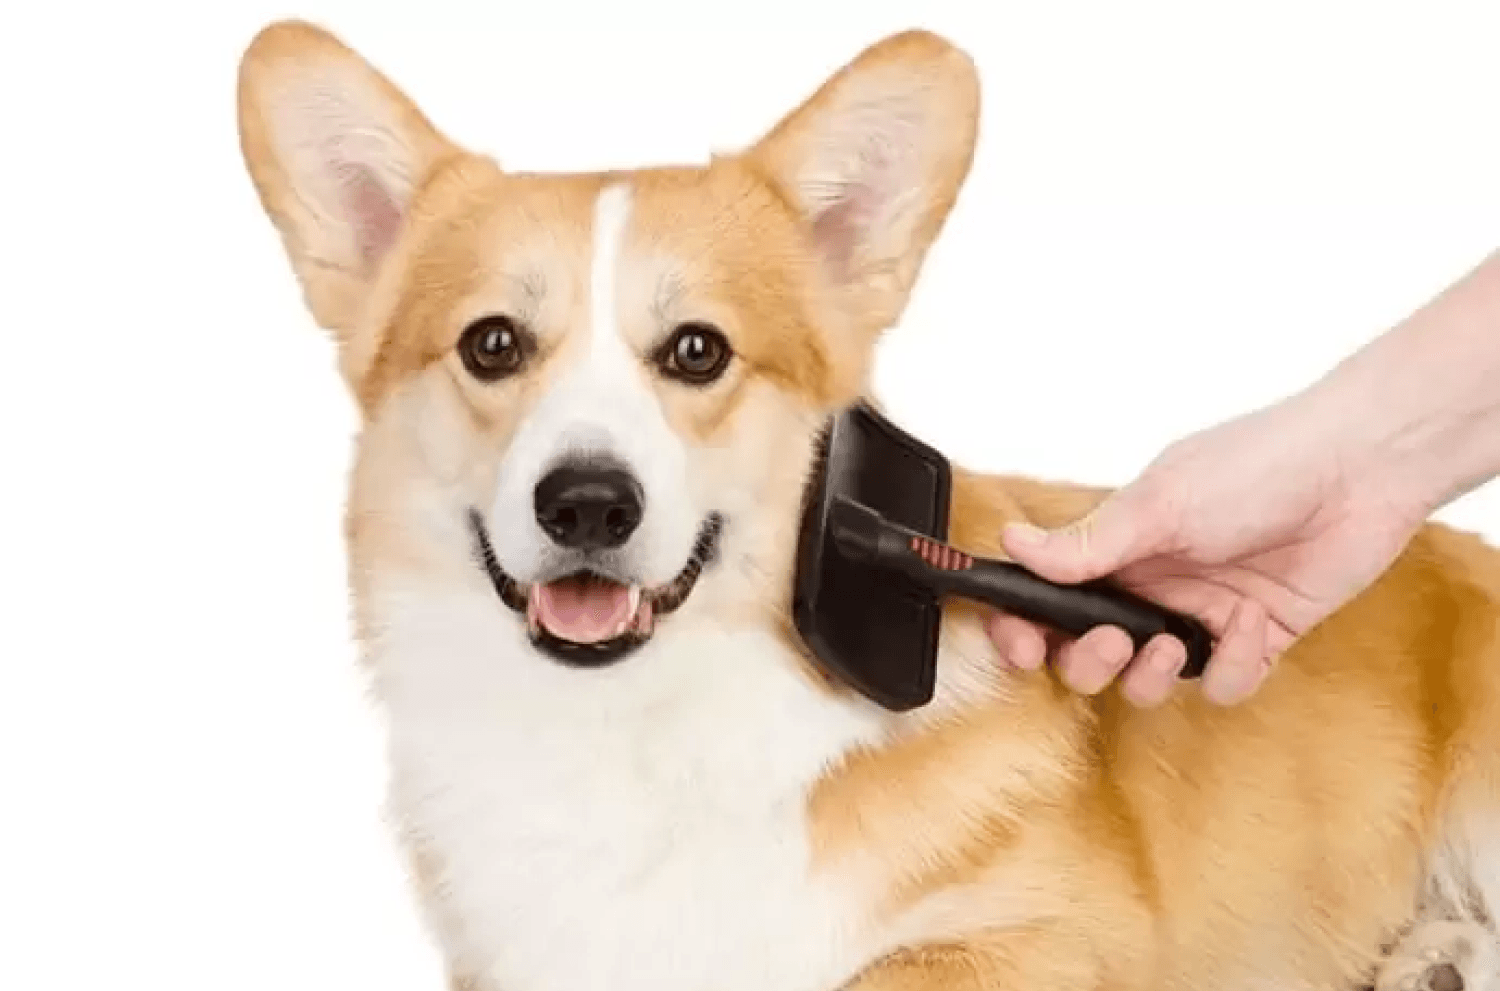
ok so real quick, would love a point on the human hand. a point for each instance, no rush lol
(1261, 527)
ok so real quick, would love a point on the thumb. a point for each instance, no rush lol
(1118, 532)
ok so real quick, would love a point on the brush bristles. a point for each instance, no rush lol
(940, 555)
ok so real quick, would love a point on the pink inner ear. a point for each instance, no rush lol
(372, 211)
(855, 204)
(838, 228)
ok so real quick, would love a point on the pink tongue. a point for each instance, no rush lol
(583, 610)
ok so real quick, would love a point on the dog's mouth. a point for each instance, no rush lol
(588, 619)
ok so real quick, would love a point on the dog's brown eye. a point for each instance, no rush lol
(695, 353)
(492, 348)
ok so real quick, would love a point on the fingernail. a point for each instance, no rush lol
(1156, 687)
(1249, 681)
(1236, 684)
(1168, 656)
(1026, 534)
(1030, 660)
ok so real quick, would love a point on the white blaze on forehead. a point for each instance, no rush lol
(602, 404)
(611, 218)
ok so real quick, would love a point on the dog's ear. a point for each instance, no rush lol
(337, 155)
(874, 161)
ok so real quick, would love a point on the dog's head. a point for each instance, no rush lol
(599, 392)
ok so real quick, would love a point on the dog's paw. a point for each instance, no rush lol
(1443, 956)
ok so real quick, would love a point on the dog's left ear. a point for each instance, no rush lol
(874, 161)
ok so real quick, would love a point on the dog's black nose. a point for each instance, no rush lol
(588, 506)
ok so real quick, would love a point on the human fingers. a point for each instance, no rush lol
(1239, 664)
(1120, 530)
(1151, 677)
(1087, 665)
(1020, 643)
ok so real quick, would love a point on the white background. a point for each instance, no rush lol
(1177, 213)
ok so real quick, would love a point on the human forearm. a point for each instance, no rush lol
(1417, 411)
(1265, 525)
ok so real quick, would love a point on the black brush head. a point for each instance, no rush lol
(856, 529)
(869, 628)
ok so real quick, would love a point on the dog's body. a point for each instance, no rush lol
(591, 404)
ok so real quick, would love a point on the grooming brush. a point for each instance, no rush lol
(874, 565)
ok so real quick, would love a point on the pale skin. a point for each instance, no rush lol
(1265, 525)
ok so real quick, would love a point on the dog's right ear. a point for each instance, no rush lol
(337, 155)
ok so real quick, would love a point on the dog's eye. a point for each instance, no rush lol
(492, 348)
(695, 353)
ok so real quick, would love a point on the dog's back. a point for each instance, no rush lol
(1286, 841)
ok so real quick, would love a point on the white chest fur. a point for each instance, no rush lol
(641, 826)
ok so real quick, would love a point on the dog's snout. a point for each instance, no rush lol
(589, 506)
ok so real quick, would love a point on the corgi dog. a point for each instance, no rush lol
(590, 405)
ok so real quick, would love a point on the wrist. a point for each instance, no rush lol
(1377, 445)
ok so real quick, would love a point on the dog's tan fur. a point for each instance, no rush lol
(1016, 836)
(1164, 847)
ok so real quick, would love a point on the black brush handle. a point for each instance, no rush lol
(1074, 609)
(861, 534)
